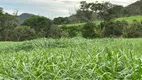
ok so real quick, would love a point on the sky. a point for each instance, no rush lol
(50, 8)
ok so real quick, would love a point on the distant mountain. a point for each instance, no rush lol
(135, 8)
(137, 3)
(24, 16)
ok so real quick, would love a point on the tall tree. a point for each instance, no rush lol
(61, 20)
(84, 13)
(103, 10)
(7, 23)
(41, 25)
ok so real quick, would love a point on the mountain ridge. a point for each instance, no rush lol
(24, 16)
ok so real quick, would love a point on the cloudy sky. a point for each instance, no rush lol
(49, 8)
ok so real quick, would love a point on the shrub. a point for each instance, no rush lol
(113, 28)
(134, 30)
(70, 31)
(40, 24)
(88, 31)
(73, 31)
(60, 20)
(55, 32)
(21, 33)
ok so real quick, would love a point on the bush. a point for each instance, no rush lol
(88, 31)
(73, 31)
(55, 32)
(40, 24)
(134, 30)
(21, 33)
(70, 31)
(60, 20)
(113, 28)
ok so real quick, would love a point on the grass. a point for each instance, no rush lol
(76, 24)
(131, 18)
(128, 19)
(80, 24)
(71, 59)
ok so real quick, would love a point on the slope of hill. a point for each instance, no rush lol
(128, 19)
(131, 18)
(138, 4)
(24, 16)
(134, 8)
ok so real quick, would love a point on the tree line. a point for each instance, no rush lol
(40, 26)
(100, 11)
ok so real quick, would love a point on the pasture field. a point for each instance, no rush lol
(128, 19)
(72, 59)
(80, 24)
(131, 18)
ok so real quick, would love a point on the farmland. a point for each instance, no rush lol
(129, 19)
(99, 41)
(71, 58)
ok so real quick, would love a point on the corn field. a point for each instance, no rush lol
(72, 59)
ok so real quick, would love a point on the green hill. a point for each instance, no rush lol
(129, 19)
(135, 8)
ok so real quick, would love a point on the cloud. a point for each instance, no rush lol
(50, 8)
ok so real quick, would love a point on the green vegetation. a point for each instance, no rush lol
(75, 59)
(80, 24)
(131, 18)
(106, 29)
(75, 24)
(128, 19)
(61, 53)
(40, 24)
(107, 19)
